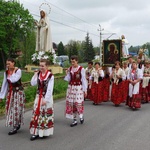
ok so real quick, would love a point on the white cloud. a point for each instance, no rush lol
(130, 17)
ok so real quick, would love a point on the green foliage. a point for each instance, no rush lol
(26, 76)
(60, 86)
(28, 49)
(66, 64)
(2, 104)
(88, 49)
(30, 93)
(61, 49)
(72, 48)
(134, 49)
(97, 50)
(16, 26)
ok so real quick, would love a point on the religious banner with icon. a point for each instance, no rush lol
(112, 51)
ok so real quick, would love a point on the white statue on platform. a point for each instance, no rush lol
(143, 54)
(125, 51)
(43, 38)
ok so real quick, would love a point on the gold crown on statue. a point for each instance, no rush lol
(46, 7)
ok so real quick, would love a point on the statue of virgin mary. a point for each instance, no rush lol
(125, 50)
(43, 38)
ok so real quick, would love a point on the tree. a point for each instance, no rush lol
(16, 25)
(72, 48)
(88, 49)
(96, 50)
(80, 51)
(61, 49)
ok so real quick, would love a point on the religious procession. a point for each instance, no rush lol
(123, 83)
(122, 78)
(117, 78)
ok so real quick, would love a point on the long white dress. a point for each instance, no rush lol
(125, 48)
(42, 121)
(43, 39)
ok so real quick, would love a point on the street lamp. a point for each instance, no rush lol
(100, 46)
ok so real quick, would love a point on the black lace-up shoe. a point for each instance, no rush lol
(74, 123)
(13, 131)
(18, 127)
(81, 120)
(33, 137)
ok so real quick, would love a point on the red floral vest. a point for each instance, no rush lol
(76, 77)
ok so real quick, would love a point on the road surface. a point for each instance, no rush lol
(106, 127)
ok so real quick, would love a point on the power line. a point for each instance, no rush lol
(70, 14)
(68, 25)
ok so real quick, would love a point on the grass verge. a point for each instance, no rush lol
(60, 87)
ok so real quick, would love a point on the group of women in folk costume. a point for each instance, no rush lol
(127, 84)
(42, 121)
(122, 84)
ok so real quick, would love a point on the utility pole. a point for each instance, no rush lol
(100, 45)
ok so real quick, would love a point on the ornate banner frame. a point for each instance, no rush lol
(112, 51)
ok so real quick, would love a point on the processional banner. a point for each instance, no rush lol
(112, 51)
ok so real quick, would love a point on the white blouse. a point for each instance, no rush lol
(83, 78)
(49, 92)
(96, 74)
(126, 70)
(139, 74)
(12, 78)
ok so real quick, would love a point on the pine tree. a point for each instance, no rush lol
(72, 48)
(61, 49)
(88, 49)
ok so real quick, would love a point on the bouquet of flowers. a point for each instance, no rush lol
(38, 55)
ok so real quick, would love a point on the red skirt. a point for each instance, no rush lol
(134, 101)
(117, 93)
(125, 90)
(146, 94)
(97, 94)
(105, 90)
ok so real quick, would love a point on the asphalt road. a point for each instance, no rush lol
(106, 127)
